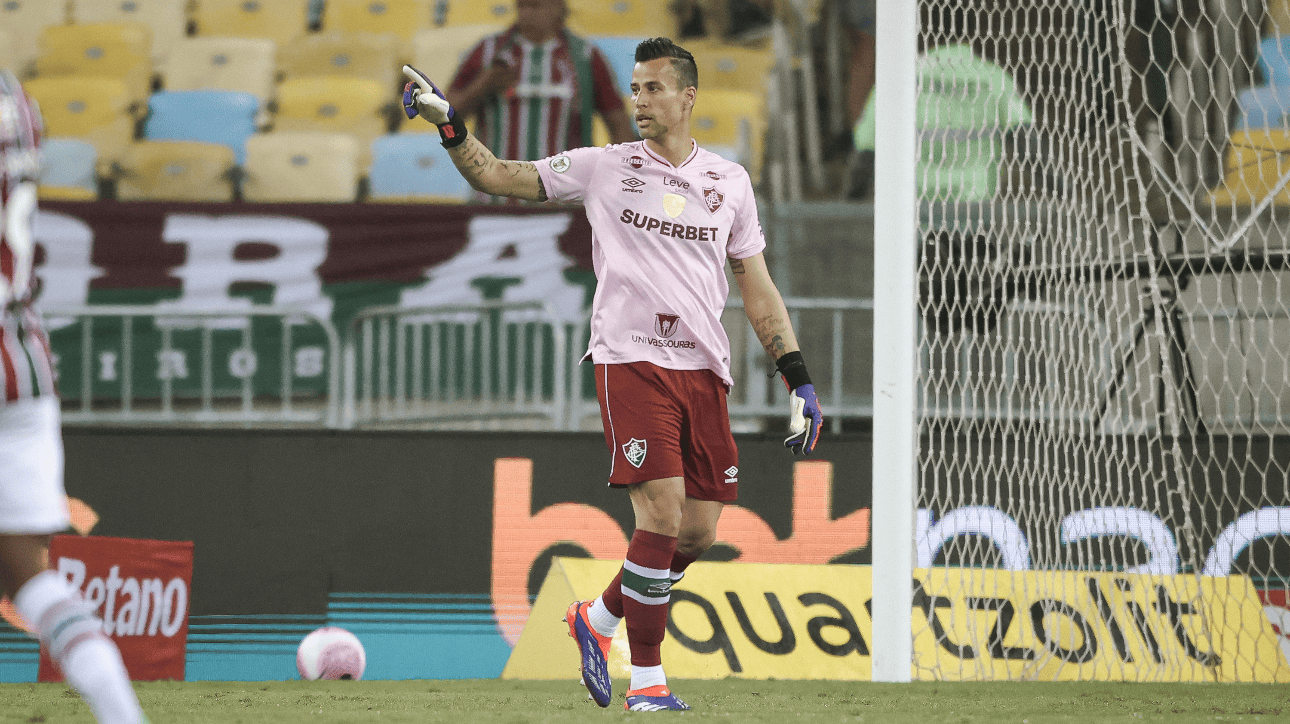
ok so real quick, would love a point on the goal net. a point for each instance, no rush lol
(1104, 331)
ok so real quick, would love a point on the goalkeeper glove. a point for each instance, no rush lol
(804, 417)
(422, 97)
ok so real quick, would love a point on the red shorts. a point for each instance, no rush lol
(662, 423)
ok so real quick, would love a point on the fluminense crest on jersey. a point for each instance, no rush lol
(665, 324)
(634, 450)
(713, 199)
(673, 205)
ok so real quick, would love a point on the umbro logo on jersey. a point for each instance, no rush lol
(633, 185)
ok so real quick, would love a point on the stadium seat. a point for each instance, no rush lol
(331, 104)
(25, 20)
(167, 19)
(478, 12)
(68, 170)
(285, 167)
(278, 20)
(414, 167)
(1254, 163)
(438, 52)
(732, 125)
(403, 18)
(620, 51)
(646, 18)
(116, 50)
(235, 64)
(1274, 60)
(1277, 19)
(358, 55)
(225, 117)
(175, 171)
(92, 108)
(9, 53)
(1265, 106)
(732, 67)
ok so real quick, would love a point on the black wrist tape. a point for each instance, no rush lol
(453, 133)
(793, 369)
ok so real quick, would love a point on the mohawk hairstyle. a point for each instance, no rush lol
(682, 60)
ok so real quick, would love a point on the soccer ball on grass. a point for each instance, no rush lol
(331, 652)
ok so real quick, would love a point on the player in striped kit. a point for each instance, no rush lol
(666, 217)
(33, 505)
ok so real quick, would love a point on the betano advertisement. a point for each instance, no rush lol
(433, 546)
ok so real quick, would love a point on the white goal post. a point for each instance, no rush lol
(1082, 340)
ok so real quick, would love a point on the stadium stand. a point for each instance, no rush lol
(356, 106)
(235, 64)
(1265, 106)
(279, 20)
(731, 124)
(374, 56)
(93, 108)
(1274, 60)
(209, 116)
(409, 167)
(175, 171)
(1277, 18)
(438, 52)
(286, 167)
(620, 51)
(478, 12)
(732, 67)
(404, 18)
(68, 170)
(25, 20)
(167, 19)
(1254, 163)
(9, 52)
(646, 18)
(115, 50)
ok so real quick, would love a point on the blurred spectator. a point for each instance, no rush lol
(536, 85)
(723, 19)
(858, 19)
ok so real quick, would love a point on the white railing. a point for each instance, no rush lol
(112, 383)
(464, 363)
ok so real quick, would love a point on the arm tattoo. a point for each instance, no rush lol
(541, 190)
(737, 266)
(769, 334)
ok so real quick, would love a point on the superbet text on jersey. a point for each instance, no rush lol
(661, 235)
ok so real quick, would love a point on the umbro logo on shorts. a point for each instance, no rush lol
(732, 474)
(634, 450)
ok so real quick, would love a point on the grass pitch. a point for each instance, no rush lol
(731, 700)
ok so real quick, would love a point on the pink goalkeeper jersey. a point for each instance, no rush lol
(660, 237)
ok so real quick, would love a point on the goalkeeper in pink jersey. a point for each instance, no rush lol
(666, 216)
(33, 505)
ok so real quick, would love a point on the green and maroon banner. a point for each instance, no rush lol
(328, 259)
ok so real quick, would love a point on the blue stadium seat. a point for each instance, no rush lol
(68, 170)
(1265, 106)
(620, 51)
(210, 116)
(1274, 60)
(414, 167)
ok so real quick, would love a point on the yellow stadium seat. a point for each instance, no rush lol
(285, 167)
(167, 19)
(117, 50)
(732, 67)
(236, 64)
(356, 106)
(731, 124)
(358, 55)
(1277, 18)
(1255, 161)
(644, 18)
(96, 109)
(278, 20)
(404, 18)
(480, 12)
(175, 171)
(25, 20)
(9, 53)
(439, 52)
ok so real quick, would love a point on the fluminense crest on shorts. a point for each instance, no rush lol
(673, 205)
(634, 451)
(713, 199)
